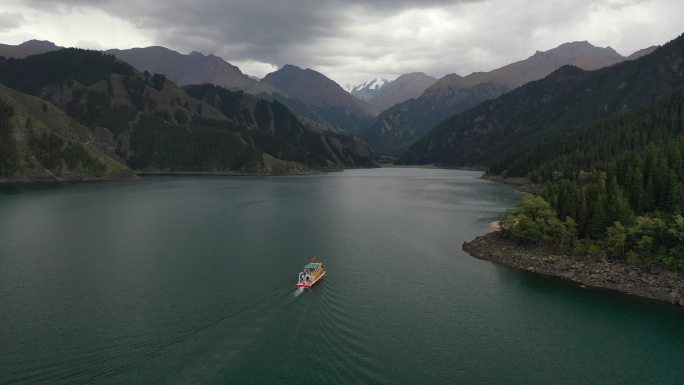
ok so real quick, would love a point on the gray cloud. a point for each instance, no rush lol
(264, 30)
(353, 40)
(10, 20)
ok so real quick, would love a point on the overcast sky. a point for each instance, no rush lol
(348, 40)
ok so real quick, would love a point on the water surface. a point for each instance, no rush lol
(182, 280)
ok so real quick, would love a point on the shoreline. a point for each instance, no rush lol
(431, 166)
(47, 181)
(521, 184)
(653, 282)
(392, 165)
(224, 173)
(138, 174)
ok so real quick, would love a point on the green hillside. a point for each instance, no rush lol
(570, 97)
(618, 188)
(612, 189)
(273, 128)
(38, 142)
(156, 126)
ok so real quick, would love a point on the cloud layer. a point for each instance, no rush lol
(350, 41)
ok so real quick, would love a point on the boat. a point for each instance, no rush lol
(312, 273)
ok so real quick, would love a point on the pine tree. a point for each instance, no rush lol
(8, 149)
(616, 240)
(677, 198)
(597, 225)
(582, 214)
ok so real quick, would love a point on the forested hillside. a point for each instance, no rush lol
(402, 125)
(153, 123)
(398, 127)
(602, 149)
(155, 126)
(38, 142)
(273, 128)
(325, 98)
(615, 188)
(570, 97)
(592, 147)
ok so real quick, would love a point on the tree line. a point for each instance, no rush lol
(8, 149)
(615, 189)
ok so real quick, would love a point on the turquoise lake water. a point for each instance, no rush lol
(190, 280)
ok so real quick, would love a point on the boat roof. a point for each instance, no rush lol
(312, 265)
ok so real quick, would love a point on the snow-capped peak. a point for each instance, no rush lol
(367, 90)
(373, 84)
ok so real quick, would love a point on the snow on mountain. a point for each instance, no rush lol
(366, 91)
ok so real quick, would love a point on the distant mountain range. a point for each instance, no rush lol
(498, 132)
(411, 105)
(401, 89)
(580, 54)
(312, 96)
(382, 94)
(329, 101)
(149, 123)
(642, 52)
(197, 68)
(27, 48)
(403, 124)
(194, 68)
(329, 110)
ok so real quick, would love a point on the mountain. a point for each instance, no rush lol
(27, 48)
(618, 184)
(278, 132)
(495, 131)
(403, 88)
(326, 98)
(597, 146)
(367, 90)
(400, 126)
(642, 52)
(197, 68)
(194, 68)
(39, 142)
(579, 54)
(155, 126)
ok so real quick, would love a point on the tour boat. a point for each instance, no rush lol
(312, 273)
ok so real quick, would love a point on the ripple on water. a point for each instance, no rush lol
(151, 283)
(340, 341)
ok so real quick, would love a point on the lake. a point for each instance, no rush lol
(190, 280)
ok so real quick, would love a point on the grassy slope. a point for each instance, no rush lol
(36, 117)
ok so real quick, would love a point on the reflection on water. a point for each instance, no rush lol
(191, 280)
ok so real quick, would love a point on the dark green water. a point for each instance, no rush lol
(184, 280)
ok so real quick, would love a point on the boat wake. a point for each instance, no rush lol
(297, 292)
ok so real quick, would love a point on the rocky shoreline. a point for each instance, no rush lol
(655, 283)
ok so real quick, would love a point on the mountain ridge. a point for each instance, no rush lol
(327, 98)
(367, 90)
(401, 89)
(155, 126)
(39, 142)
(569, 97)
(193, 68)
(402, 125)
(27, 48)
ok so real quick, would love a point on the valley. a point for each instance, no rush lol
(178, 271)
